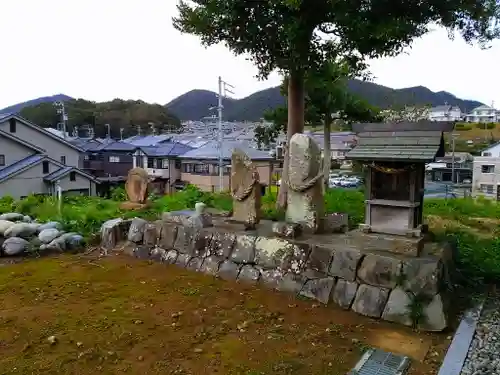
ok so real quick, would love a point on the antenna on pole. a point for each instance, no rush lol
(138, 129)
(152, 126)
(224, 89)
(121, 134)
(108, 132)
(75, 131)
(61, 109)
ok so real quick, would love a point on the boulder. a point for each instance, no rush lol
(4, 225)
(50, 225)
(24, 230)
(48, 235)
(370, 301)
(11, 216)
(14, 246)
(136, 231)
(60, 243)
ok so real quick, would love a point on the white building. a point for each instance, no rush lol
(486, 176)
(486, 173)
(445, 113)
(483, 113)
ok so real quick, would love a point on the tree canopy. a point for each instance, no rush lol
(289, 35)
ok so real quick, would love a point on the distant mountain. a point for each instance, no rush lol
(121, 115)
(33, 102)
(195, 104)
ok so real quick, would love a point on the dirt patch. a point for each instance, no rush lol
(123, 315)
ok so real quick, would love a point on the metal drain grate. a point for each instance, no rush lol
(378, 362)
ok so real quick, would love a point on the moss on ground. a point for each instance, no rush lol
(121, 315)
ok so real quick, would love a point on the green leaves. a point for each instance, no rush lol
(302, 34)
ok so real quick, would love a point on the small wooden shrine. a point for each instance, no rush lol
(394, 156)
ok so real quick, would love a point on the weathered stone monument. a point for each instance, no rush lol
(245, 190)
(137, 189)
(305, 205)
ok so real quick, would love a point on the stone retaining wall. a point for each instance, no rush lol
(406, 290)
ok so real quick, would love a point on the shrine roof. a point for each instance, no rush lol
(411, 142)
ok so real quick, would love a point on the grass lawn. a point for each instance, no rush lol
(120, 315)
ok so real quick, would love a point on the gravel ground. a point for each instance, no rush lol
(483, 357)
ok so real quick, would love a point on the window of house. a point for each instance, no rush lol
(487, 169)
(164, 163)
(486, 153)
(63, 160)
(72, 176)
(201, 168)
(152, 163)
(2, 160)
(45, 167)
(187, 168)
(487, 188)
(12, 123)
(114, 159)
(178, 164)
(85, 157)
(225, 170)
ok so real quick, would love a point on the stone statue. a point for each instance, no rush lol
(305, 202)
(136, 188)
(245, 190)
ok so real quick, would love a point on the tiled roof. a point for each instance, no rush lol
(166, 149)
(57, 174)
(210, 151)
(148, 140)
(421, 146)
(60, 173)
(117, 146)
(39, 129)
(21, 141)
(20, 165)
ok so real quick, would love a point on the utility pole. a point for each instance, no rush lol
(61, 109)
(138, 129)
(224, 88)
(121, 134)
(108, 132)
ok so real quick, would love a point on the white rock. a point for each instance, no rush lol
(4, 225)
(11, 216)
(48, 235)
(21, 230)
(14, 246)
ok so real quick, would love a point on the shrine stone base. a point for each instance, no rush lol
(369, 274)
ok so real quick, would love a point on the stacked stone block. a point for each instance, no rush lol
(396, 288)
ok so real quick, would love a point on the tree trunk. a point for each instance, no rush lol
(327, 152)
(295, 125)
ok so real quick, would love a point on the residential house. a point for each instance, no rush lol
(492, 151)
(445, 113)
(442, 168)
(486, 177)
(200, 166)
(109, 160)
(162, 164)
(484, 114)
(35, 161)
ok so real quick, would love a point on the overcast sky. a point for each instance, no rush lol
(105, 49)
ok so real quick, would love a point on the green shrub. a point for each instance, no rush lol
(463, 126)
